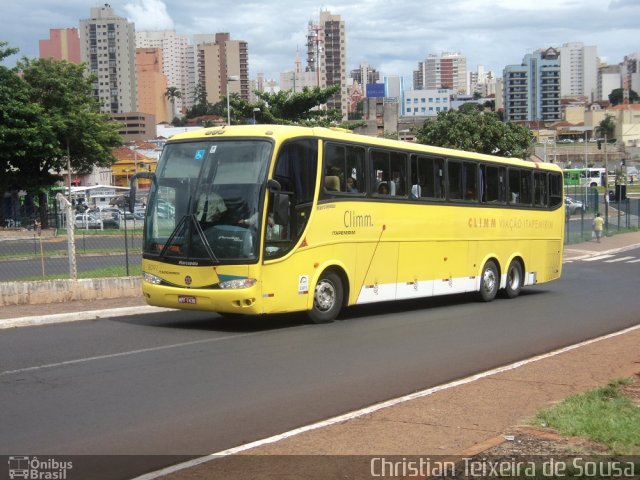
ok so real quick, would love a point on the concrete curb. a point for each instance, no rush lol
(77, 316)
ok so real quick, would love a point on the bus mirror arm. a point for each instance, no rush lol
(133, 186)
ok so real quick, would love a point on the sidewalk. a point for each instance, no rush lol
(465, 418)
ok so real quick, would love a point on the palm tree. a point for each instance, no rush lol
(172, 93)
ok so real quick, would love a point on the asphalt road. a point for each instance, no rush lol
(185, 383)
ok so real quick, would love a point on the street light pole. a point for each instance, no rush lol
(232, 78)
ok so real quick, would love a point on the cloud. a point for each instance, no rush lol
(149, 15)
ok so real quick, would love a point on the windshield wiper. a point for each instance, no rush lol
(181, 227)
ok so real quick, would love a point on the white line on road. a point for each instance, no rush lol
(123, 354)
(621, 259)
(372, 409)
(599, 257)
(634, 261)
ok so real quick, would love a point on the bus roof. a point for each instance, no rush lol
(284, 132)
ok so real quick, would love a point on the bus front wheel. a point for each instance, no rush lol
(514, 279)
(489, 281)
(327, 298)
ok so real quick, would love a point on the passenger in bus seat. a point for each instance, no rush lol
(383, 189)
(351, 185)
(332, 183)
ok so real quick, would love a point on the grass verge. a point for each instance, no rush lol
(604, 415)
(117, 271)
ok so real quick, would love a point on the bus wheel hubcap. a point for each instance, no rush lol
(325, 295)
(489, 281)
(514, 280)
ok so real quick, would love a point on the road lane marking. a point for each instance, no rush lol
(374, 408)
(621, 259)
(595, 259)
(123, 354)
(634, 261)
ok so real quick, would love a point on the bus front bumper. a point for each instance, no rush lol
(241, 301)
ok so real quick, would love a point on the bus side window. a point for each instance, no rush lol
(344, 168)
(555, 189)
(454, 180)
(389, 170)
(493, 183)
(514, 186)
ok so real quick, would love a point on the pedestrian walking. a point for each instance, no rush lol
(598, 226)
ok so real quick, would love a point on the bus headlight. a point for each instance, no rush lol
(238, 283)
(153, 279)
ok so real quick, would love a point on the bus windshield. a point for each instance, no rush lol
(205, 205)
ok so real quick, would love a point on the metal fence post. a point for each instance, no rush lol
(71, 241)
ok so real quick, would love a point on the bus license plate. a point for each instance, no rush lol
(186, 299)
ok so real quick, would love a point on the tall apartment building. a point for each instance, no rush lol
(219, 58)
(449, 70)
(326, 56)
(62, 44)
(177, 60)
(482, 82)
(609, 78)
(579, 71)
(365, 74)
(152, 84)
(532, 89)
(631, 69)
(107, 45)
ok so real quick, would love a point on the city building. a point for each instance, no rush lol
(296, 79)
(365, 74)
(631, 70)
(447, 71)
(482, 82)
(107, 45)
(152, 84)
(532, 89)
(178, 63)
(425, 103)
(326, 57)
(62, 44)
(136, 125)
(218, 59)
(609, 79)
(579, 70)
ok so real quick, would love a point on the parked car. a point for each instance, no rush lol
(573, 206)
(84, 220)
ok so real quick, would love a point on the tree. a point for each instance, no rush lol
(476, 131)
(172, 93)
(607, 127)
(299, 108)
(73, 129)
(25, 133)
(616, 97)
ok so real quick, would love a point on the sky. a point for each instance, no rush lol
(391, 36)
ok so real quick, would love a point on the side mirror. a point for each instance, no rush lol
(133, 187)
(281, 208)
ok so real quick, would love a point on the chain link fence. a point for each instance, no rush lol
(620, 212)
(32, 254)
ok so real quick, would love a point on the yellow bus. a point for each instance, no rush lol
(263, 219)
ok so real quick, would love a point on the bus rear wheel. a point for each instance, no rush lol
(328, 295)
(514, 279)
(489, 281)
